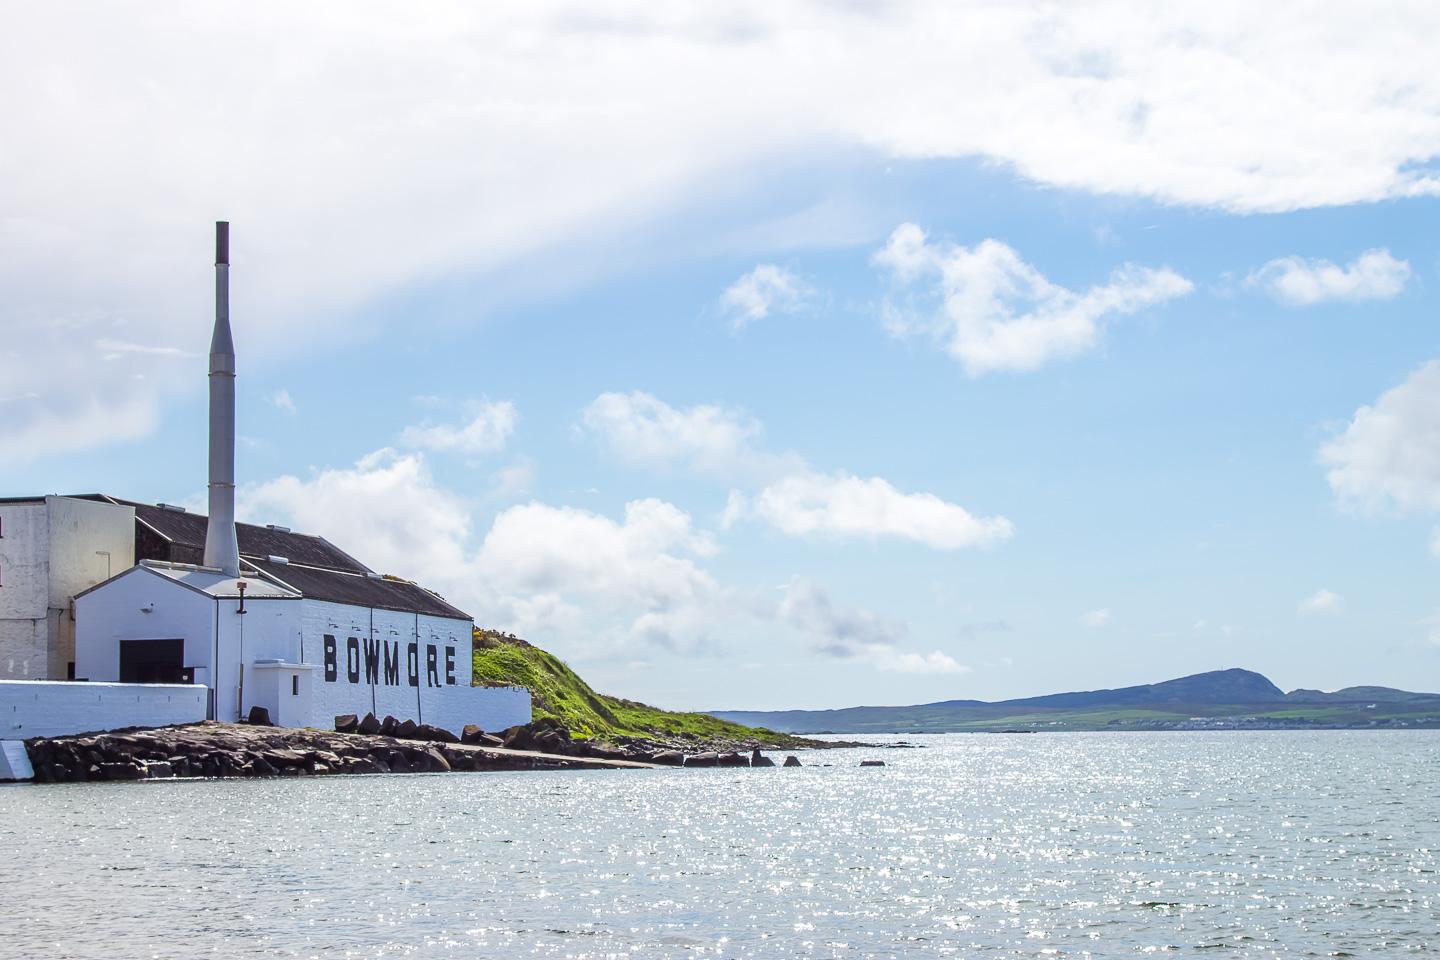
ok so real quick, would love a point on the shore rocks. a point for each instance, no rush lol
(369, 725)
(758, 759)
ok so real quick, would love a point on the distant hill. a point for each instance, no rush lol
(1218, 699)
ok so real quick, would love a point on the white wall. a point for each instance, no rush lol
(285, 690)
(140, 605)
(24, 591)
(42, 708)
(363, 638)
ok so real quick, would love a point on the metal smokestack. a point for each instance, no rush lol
(222, 549)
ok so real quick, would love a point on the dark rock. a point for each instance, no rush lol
(438, 763)
(399, 763)
(346, 723)
(388, 725)
(321, 769)
(707, 759)
(471, 734)
(734, 760)
(260, 716)
(490, 740)
(124, 770)
(669, 758)
(792, 761)
(159, 770)
(405, 730)
(603, 751)
(260, 767)
(518, 738)
(872, 763)
(434, 734)
(758, 759)
(369, 725)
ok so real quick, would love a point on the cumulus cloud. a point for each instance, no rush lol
(992, 311)
(765, 290)
(842, 505)
(487, 430)
(643, 429)
(1374, 275)
(549, 572)
(857, 634)
(445, 145)
(1389, 453)
(1320, 602)
(1094, 619)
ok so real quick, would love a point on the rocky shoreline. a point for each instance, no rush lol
(358, 746)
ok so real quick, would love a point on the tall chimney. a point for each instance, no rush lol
(222, 549)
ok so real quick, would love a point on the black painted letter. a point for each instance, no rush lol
(432, 671)
(392, 664)
(352, 659)
(372, 661)
(412, 655)
(329, 659)
(450, 666)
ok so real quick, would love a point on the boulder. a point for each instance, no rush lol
(707, 759)
(490, 740)
(518, 738)
(604, 751)
(260, 716)
(159, 770)
(369, 725)
(758, 759)
(734, 760)
(260, 767)
(125, 770)
(471, 734)
(405, 730)
(791, 761)
(399, 763)
(346, 723)
(669, 758)
(872, 763)
(434, 734)
(438, 763)
(388, 726)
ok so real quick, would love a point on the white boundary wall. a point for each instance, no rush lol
(50, 708)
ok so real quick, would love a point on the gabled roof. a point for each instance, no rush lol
(360, 589)
(188, 529)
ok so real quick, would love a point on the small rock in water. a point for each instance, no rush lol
(872, 763)
(792, 761)
(758, 759)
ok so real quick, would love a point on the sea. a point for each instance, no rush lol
(1224, 844)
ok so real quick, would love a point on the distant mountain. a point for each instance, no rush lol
(1219, 698)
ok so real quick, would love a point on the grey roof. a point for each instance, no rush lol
(360, 589)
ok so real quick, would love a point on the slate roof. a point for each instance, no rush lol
(188, 529)
(316, 568)
(355, 588)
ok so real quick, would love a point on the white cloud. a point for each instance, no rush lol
(445, 144)
(281, 401)
(1320, 602)
(1094, 619)
(1389, 453)
(857, 634)
(1374, 275)
(839, 504)
(486, 431)
(766, 289)
(992, 311)
(550, 573)
(708, 438)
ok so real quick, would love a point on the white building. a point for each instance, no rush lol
(260, 616)
(52, 548)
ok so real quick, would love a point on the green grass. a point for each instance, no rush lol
(559, 693)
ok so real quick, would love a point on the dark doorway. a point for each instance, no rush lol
(151, 661)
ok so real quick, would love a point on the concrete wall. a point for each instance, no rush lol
(89, 543)
(51, 550)
(41, 708)
(24, 591)
(285, 689)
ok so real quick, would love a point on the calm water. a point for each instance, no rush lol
(1104, 845)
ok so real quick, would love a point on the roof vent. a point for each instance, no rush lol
(171, 507)
(372, 575)
(277, 528)
(280, 560)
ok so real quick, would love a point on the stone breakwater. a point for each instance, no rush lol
(212, 749)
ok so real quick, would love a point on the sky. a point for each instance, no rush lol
(767, 355)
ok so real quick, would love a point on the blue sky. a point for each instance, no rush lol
(880, 356)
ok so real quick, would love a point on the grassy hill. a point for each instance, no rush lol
(560, 693)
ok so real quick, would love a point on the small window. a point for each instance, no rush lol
(294, 684)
